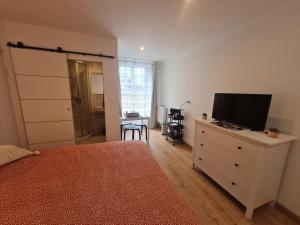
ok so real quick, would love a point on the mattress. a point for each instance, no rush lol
(108, 183)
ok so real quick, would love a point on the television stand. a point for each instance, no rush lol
(247, 164)
(228, 125)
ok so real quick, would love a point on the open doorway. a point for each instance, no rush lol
(87, 95)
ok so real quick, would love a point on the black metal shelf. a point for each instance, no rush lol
(176, 117)
(175, 126)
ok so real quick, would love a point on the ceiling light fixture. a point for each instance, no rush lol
(142, 48)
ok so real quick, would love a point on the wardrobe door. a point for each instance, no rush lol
(47, 132)
(47, 88)
(43, 110)
(51, 145)
(39, 63)
(44, 94)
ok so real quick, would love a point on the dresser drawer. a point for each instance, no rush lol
(243, 148)
(230, 160)
(230, 164)
(237, 186)
(202, 163)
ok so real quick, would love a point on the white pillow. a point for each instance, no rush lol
(10, 153)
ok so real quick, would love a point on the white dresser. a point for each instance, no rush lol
(247, 164)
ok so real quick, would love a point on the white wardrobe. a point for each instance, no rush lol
(42, 82)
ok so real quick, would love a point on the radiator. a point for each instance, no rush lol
(162, 118)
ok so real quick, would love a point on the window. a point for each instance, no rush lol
(136, 81)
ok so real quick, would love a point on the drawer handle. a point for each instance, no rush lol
(201, 145)
(233, 183)
(203, 132)
(236, 165)
(200, 159)
(239, 147)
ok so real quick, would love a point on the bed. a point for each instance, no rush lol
(108, 183)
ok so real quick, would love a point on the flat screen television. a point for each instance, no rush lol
(248, 110)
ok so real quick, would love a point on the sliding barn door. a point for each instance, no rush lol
(44, 94)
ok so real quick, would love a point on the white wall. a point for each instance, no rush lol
(258, 57)
(53, 38)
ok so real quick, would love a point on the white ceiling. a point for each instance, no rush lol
(163, 27)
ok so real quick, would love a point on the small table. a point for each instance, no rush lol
(140, 118)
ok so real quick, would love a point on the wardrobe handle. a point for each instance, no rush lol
(233, 183)
(201, 145)
(203, 132)
(239, 147)
(200, 159)
(236, 165)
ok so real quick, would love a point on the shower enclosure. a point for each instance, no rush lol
(82, 114)
(87, 95)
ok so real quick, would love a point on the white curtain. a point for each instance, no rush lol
(154, 99)
(137, 82)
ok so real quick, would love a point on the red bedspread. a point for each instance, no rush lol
(109, 183)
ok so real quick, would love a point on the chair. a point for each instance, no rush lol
(133, 128)
(121, 128)
(142, 125)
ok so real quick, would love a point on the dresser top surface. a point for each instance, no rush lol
(259, 137)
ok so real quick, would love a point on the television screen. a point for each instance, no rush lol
(249, 110)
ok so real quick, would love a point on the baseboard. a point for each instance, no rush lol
(287, 212)
(187, 144)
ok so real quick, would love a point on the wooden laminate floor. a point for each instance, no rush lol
(212, 205)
